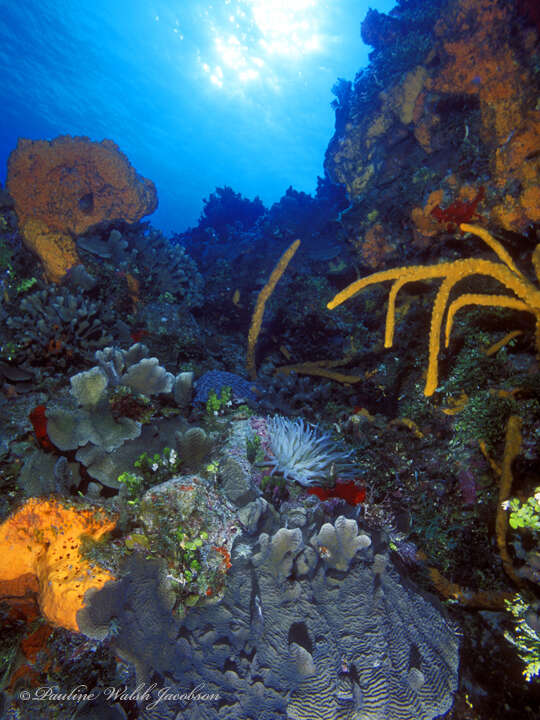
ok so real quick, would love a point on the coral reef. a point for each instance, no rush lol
(215, 380)
(157, 270)
(109, 404)
(140, 607)
(338, 544)
(449, 97)
(185, 528)
(58, 328)
(507, 273)
(194, 445)
(289, 638)
(273, 542)
(224, 209)
(262, 299)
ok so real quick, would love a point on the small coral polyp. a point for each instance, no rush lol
(40, 546)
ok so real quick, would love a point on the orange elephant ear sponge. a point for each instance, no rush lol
(62, 187)
(40, 553)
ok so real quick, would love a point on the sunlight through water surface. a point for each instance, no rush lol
(259, 40)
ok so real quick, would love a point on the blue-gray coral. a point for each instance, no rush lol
(134, 369)
(214, 380)
(293, 637)
(139, 607)
(91, 427)
(144, 252)
(57, 328)
(356, 644)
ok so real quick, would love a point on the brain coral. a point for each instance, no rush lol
(293, 637)
(65, 186)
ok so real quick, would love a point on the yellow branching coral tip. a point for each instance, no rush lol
(484, 599)
(319, 370)
(536, 261)
(42, 541)
(528, 296)
(456, 405)
(493, 349)
(495, 467)
(512, 448)
(491, 242)
(478, 299)
(258, 313)
(408, 423)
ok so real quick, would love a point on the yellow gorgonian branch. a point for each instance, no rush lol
(506, 272)
(263, 296)
(322, 368)
(512, 448)
(478, 299)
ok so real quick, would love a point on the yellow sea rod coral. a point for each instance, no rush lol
(506, 272)
(263, 296)
(40, 549)
(512, 448)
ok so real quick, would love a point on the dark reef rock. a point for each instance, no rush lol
(448, 104)
(380, 30)
(57, 328)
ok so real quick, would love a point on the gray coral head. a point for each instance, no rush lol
(88, 387)
(148, 377)
(338, 544)
(305, 454)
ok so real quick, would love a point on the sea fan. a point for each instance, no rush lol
(301, 452)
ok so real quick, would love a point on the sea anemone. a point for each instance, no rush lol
(301, 452)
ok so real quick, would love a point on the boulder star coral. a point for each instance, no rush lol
(302, 453)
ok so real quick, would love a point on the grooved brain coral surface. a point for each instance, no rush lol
(72, 183)
(370, 647)
(292, 638)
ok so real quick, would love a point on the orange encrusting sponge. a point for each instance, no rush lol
(42, 541)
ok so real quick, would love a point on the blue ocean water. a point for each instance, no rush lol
(198, 94)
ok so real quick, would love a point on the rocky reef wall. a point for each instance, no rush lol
(442, 127)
